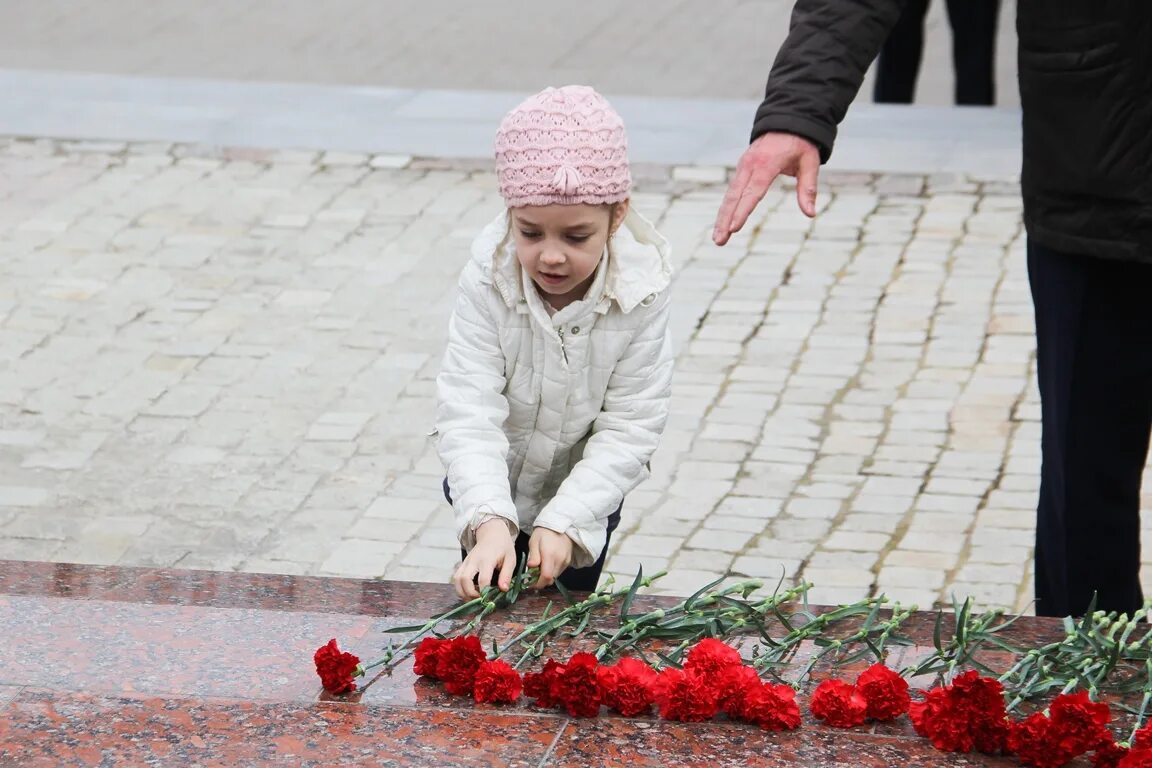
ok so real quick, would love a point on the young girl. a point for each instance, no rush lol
(555, 385)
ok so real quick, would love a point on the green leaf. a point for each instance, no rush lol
(872, 614)
(564, 593)
(626, 604)
(399, 630)
(1086, 620)
(982, 668)
(784, 619)
(962, 621)
(581, 626)
(696, 595)
(517, 580)
(854, 656)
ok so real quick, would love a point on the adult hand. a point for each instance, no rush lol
(766, 158)
(495, 550)
(549, 551)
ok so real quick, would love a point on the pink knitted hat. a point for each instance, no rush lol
(563, 145)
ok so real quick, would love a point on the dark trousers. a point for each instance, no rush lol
(973, 52)
(1094, 360)
(574, 579)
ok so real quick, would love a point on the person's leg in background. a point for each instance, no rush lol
(974, 50)
(898, 64)
(1094, 364)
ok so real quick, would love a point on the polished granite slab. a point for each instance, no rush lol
(121, 666)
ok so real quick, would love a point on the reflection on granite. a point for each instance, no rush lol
(615, 741)
(119, 666)
(221, 590)
(51, 728)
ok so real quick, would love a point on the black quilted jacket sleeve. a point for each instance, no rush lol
(818, 71)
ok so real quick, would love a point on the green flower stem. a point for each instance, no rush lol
(1102, 653)
(1143, 702)
(547, 626)
(489, 598)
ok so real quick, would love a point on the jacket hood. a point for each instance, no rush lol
(639, 261)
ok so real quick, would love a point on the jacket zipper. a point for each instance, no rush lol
(563, 349)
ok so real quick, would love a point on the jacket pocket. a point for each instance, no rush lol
(1076, 90)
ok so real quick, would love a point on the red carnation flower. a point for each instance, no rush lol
(838, 704)
(734, 686)
(988, 719)
(772, 707)
(539, 685)
(1136, 758)
(709, 658)
(627, 686)
(1140, 755)
(497, 683)
(1032, 743)
(458, 662)
(1142, 739)
(685, 697)
(575, 687)
(428, 656)
(967, 715)
(885, 691)
(933, 720)
(1079, 723)
(336, 668)
(1109, 754)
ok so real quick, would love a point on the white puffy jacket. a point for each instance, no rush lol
(549, 421)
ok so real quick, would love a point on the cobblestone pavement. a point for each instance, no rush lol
(681, 48)
(226, 360)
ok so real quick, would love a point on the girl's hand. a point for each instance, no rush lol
(495, 550)
(551, 552)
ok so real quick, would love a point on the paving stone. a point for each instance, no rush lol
(21, 437)
(717, 539)
(987, 596)
(767, 568)
(824, 509)
(194, 454)
(734, 523)
(932, 502)
(385, 529)
(647, 545)
(995, 574)
(856, 541)
(707, 470)
(841, 559)
(683, 581)
(701, 560)
(932, 542)
(999, 554)
(754, 507)
(924, 560)
(360, 557)
(942, 523)
(257, 338)
(833, 595)
(900, 577)
(23, 496)
(881, 505)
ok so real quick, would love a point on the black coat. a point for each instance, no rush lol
(1085, 69)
